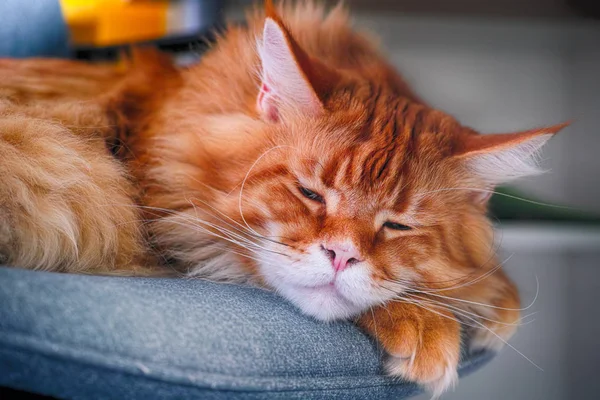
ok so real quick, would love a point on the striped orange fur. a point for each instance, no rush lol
(293, 156)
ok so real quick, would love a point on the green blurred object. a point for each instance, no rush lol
(511, 204)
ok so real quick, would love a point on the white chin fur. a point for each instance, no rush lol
(323, 303)
(304, 281)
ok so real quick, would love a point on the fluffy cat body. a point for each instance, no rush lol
(293, 156)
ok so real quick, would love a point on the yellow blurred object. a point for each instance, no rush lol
(114, 22)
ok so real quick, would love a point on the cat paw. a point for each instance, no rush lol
(427, 355)
(493, 337)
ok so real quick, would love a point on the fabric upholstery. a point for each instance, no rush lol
(89, 337)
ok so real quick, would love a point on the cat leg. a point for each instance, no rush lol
(423, 346)
(65, 203)
(492, 309)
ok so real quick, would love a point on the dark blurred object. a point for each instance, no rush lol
(554, 9)
(183, 44)
(511, 204)
(9, 394)
(586, 8)
(500, 8)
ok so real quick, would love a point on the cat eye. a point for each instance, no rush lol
(396, 226)
(309, 194)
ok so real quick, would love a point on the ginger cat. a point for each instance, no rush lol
(292, 156)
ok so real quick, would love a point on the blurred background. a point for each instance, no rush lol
(497, 66)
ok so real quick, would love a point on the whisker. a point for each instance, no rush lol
(418, 304)
(245, 230)
(407, 290)
(506, 343)
(439, 304)
(250, 257)
(220, 228)
(189, 223)
(206, 231)
(459, 285)
(188, 218)
(480, 325)
(474, 281)
(230, 239)
(244, 183)
(375, 328)
(462, 311)
(499, 194)
(483, 304)
(460, 279)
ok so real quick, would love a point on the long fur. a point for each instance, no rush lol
(204, 170)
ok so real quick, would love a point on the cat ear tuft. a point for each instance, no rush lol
(285, 82)
(499, 158)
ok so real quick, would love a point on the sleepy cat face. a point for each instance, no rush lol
(348, 217)
(351, 217)
(341, 192)
(348, 243)
(362, 194)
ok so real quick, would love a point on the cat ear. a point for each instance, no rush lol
(499, 158)
(290, 78)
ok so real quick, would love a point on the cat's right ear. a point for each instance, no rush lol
(292, 81)
(494, 159)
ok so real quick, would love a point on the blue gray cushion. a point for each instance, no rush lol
(89, 337)
(32, 28)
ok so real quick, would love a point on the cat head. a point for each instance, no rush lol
(358, 192)
(364, 193)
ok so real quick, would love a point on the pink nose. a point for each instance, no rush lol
(342, 255)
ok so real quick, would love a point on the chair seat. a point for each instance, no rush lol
(90, 337)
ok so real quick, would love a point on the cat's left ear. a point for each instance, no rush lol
(292, 81)
(493, 159)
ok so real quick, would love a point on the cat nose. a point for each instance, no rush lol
(341, 255)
